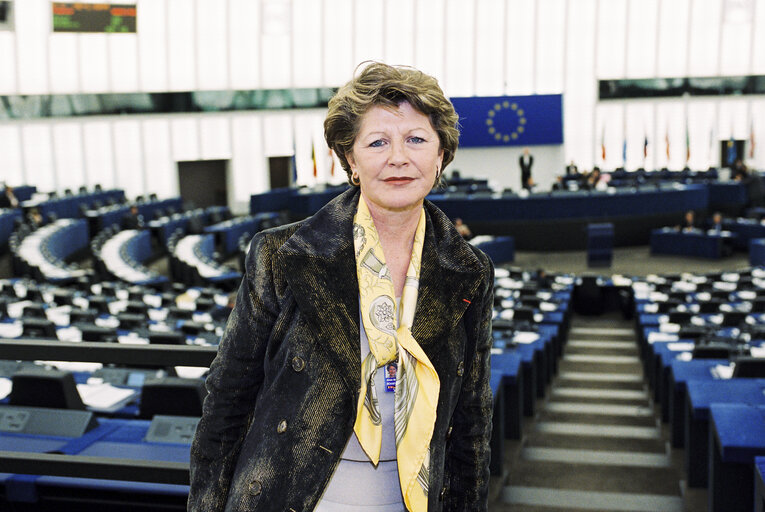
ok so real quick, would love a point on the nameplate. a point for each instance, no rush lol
(46, 422)
(172, 429)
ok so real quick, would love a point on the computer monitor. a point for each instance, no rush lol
(172, 396)
(38, 328)
(167, 338)
(131, 320)
(98, 333)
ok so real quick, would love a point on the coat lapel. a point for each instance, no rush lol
(322, 276)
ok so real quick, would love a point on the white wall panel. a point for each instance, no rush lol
(161, 172)
(307, 38)
(670, 123)
(123, 62)
(276, 44)
(338, 42)
(520, 47)
(11, 159)
(278, 138)
(673, 38)
(736, 45)
(214, 137)
(64, 66)
(701, 124)
(399, 31)
(580, 87)
(551, 30)
(758, 48)
(8, 58)
(612, 28)
(704, 38)
(152, 44)
(459, 76)
(38, 156)
(99, 154)
(94, 63)
(68, 153)
(249, 174)
(185, 137)
(181, 45)
(244, 44)
(368, 21)
(642, 34)
(303, 145)
(212, 44)
(490, 48)
(33, 24)
(639, 125)
(128, 157)
(429, 35)
(758, 115)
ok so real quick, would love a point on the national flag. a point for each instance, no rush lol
(313, 158)
(687, 143)
(645, 147)
(294, 164)
(751, 138)
(732, 153)
(624, 152)
(666, 142)
(603, 143)
(332, 165)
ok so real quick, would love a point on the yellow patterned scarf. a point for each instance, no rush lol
(390, 335)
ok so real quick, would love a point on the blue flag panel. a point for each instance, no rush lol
(510, 120)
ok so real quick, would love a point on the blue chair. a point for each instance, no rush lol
(600, 244)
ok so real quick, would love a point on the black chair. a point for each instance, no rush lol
(733, 318)
(588, 297)
(680, 317)
(98, 333)
(749, 368)
(136, 307)
(712, 351)
(100, 304)
(130, 321)
(173, 396)
(38, 328)
(667, 305)
(176, 313)
(167, 338)
(45, 388)
(523, 314)
(192, 328)
(33, 311)
(710, 306)
(82, 316)
(758, 305)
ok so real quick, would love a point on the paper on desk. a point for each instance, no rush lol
(653, 337)
(5, 387)
(11, 329)
(722, 371)
(525, 337)
(72, 366)
(191, 372)
(757, 351)
(132, 339)
(105, 397)
(107, 322)
(496, 351)
(680, 347)
(158, 315)
(548, 306)
(669, 327)
(15, 309)
(69, 334)
(684, 356)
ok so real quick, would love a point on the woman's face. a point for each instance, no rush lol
(395, 154)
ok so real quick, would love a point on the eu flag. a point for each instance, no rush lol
(510, 120)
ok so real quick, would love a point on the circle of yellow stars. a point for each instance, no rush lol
(494, 112)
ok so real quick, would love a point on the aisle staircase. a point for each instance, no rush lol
(596, 442)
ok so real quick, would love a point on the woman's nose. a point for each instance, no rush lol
(398, 154)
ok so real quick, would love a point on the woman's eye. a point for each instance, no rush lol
(376, 144)
(416, 140)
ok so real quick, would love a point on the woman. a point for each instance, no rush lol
(298, 415)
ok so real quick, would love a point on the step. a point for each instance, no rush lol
(632, 368)
(621, 345)
(596, 477)
(598, 430)
(610, 394)
(601, 331)
(599, 457)
(589, 358)
(596, 418)
(589, 500)
(600, 376)
(653, 444)
(604, 409)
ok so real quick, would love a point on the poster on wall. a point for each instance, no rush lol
(6, 15)
(98, 17)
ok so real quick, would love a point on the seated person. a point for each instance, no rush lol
(8, 198)
(132, 219)
(463, 229)
(34, 218)
(689, 222)
(716, 223)
(571, 169)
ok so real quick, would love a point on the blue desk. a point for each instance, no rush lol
(680, 373)
(745, 230)
(112, 438)
(700, 395)
(695, 243)
(757, 252)
(759, 484)
(737, 436)
(508, 366)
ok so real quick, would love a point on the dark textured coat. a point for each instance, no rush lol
(284, 386)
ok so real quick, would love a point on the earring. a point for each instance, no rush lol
(355, 179)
